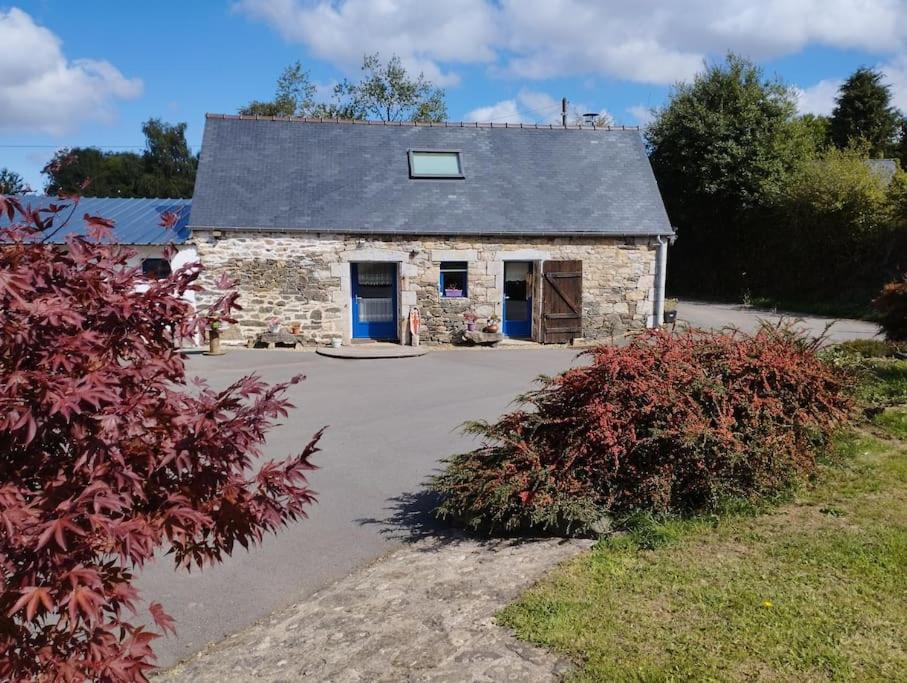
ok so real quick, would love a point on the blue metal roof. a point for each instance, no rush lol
(136, 220)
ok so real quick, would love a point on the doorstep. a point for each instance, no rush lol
(373, 350)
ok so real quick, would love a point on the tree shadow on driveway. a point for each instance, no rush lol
(410, 520)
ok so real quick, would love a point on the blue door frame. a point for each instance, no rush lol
(369, 320)
(517, 317)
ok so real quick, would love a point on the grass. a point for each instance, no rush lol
(811, 590)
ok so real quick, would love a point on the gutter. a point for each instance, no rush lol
(661, 271)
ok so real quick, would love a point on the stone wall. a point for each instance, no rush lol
(305, 278)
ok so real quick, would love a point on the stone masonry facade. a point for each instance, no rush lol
(304, 278)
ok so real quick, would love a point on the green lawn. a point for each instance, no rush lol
(812, 590)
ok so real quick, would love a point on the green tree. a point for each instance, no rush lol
(863, 111)
(388, 93)
(11, 182)
(721, 150)
(169, 165)
(901, 149)
(294, 96)
(92, 172)
(815, 128)
(833, 228)
(166, 168)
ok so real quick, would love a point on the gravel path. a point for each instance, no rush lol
(423, 613)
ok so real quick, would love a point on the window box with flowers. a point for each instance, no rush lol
(453, 282)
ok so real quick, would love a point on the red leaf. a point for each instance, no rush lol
(163, 620)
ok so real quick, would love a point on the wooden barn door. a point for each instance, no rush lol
(562, 301)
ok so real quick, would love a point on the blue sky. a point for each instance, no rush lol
(90, 72)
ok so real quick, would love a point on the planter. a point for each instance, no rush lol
(471, 327)
(335, 343)
(491, 328)
(214, 343)
(453, 293)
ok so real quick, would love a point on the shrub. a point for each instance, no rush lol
(665, 424)
(892, 306)
(107, 455)
(867, 348)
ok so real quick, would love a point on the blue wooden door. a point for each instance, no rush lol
(517, 299)
(374, 291)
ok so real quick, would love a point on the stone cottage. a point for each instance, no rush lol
(344, 227)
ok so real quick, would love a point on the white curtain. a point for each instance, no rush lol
(375, 310)
(376, 274)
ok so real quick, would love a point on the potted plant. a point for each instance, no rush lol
(493, 324)
(670, 311)
(470, 317)
(294, 328)
(274, 325)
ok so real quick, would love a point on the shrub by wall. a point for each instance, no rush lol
(666, 424)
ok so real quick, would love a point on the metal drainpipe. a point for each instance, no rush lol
(661, 263)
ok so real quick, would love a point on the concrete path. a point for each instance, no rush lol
(425, 613)
(391, 421)
(717, 316)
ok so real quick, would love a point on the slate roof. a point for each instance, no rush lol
(884, 168)
(137, 221)
(312, 176)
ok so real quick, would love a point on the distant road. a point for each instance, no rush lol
(717, 316)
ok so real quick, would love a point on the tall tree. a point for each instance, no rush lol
(901, 149)
(294, 96)
(11, 182)
(169, 164)
(721, 147)
(387, 92)
(863, 111)
(165, 169)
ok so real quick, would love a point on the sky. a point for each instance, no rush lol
(90, 72)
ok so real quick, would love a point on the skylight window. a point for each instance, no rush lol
(435, 164)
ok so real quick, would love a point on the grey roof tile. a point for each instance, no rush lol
(293, 174)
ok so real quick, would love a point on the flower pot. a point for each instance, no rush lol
(335, 343)
(491, 328)
(470, 327)
(453, 293)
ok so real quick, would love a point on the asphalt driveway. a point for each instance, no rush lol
(718, 316)
(391, 421)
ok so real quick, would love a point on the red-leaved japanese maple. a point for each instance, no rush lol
(107, 454)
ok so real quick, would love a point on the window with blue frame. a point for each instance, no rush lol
(453, 283)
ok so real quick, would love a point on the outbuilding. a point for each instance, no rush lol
(340, 228)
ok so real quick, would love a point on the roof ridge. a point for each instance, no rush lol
(426, 124)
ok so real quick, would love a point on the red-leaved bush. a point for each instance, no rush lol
(892, 307)
(666, 424)
(107, 455)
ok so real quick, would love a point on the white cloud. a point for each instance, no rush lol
(41, 90)
(651, 41)
(818, 98)
(643, 115)
(505, 111)
(896, 76)
(424, 34)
